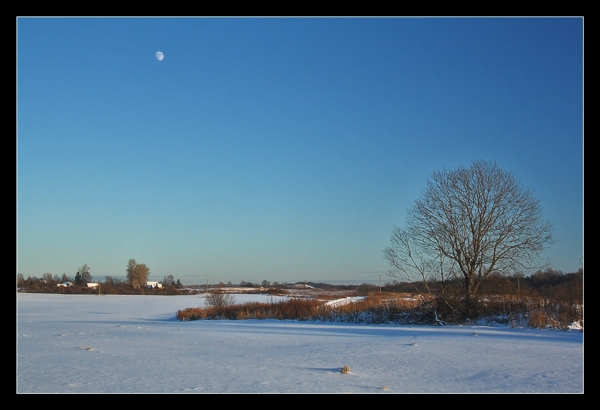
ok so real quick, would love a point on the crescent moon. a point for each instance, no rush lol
(159, 56)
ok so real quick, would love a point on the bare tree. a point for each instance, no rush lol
(85, 274)
(470, 222)
(411, 263)
(137, 274)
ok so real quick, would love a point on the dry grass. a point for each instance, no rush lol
(292, 309)
(345, 369)
(554, 315)
(383, 308)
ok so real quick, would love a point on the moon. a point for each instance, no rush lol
(159, 55)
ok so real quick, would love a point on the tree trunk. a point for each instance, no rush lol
(468, 297)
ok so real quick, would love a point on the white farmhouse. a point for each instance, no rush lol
(153, 285)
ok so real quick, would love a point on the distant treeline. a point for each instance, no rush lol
(548, 283)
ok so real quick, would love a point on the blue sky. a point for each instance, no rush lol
(280, 149)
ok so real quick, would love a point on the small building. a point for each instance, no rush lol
(64, 284)
(92, 285)
(151, 285)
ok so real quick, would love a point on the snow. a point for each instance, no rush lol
(135, 344)
(343, 301)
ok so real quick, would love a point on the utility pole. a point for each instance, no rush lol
(379, 283)
(206, 290)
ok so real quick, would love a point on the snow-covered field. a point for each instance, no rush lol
(134, 344)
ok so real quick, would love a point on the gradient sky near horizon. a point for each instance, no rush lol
(280, 149)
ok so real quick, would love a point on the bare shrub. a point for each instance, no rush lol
(345, 369)
(220, 301)
(538, 319)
